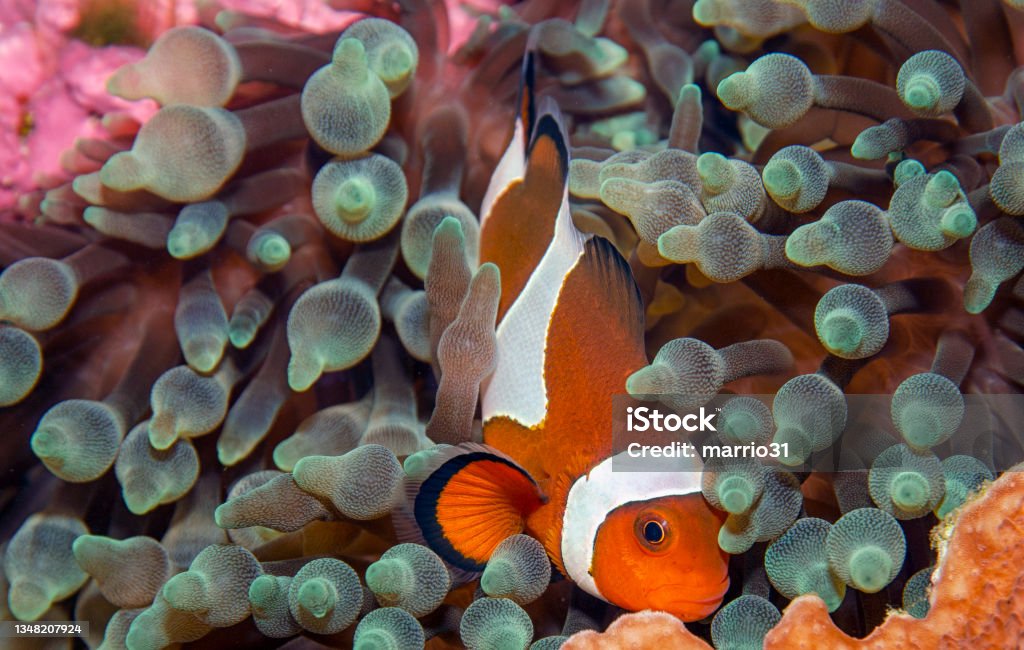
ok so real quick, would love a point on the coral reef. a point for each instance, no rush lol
(319, 322)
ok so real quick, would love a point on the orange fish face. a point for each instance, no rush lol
(662, 554)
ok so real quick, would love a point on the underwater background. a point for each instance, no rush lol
(234, 232)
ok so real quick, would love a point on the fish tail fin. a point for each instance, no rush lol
(465, 500)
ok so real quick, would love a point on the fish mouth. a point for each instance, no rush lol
(689, 608)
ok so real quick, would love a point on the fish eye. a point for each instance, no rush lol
(652, 531)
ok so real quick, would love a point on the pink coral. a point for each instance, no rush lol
(55, 89)
(639, 630)
(56, 84)
(308, 15)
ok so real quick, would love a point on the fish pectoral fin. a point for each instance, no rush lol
(474, 499)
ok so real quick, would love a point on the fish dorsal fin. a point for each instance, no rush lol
(512, 165)
(607, 278)
(473, 498)
(594, 343)
(589, 289)
(520, 226)
(528, 88)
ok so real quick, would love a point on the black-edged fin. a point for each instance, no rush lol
(521, 223)
(595, 341)
(528, 89)
(548, 138)
(603, 262)
(510, 168)
(467, 499)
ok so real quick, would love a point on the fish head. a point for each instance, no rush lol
(645, 540)
(662, 554)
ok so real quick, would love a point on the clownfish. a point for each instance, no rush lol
(570, 331)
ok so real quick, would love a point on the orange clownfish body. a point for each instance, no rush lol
(570, 331)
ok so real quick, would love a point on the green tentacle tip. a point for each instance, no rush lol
(21, 364)
(931, 83)
(250, 314)
(241, 332)
(773, 513)
(129, 572)
(997, 255)
(215, 589)
(797, 178)
(782, 178)
(852, 321)
(325, 596)
(270, 249)
(201, 323)
(810, 412)
(268, 599)
(941, 189)
(422, 220)
(346, 107)
(197, 229)
(906, 170)
(390, 52)
(186, 65)
(775, 91)
(743, 623)
(185, 405)
(518, 569)
(797, 445)
(1006, 188)
(852, 237)
(958, 221)
(877, 142)
(353, 199)
(40, 566)
(183, 153)
(36, 293)
(409, 576)
(495, 623)
(187, 592)
(915, 593)
(360, 200)
(866, 548)
(420, 464)
(715, 171)
(927, 409)
(930, 211)
(733, 485)
(964, 475)
(151, 477)
(746, 419)
(690, 94)
(78, 440)
(344, 306)
(362, 484)
(906, 483)
(671, 375)
(389, 628)
(797, 563)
